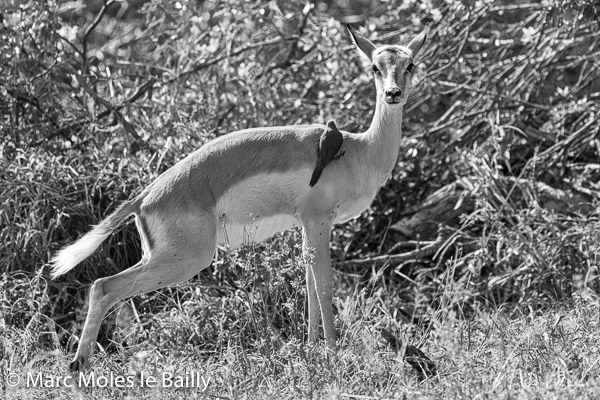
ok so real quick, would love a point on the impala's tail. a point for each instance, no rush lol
(68, 258)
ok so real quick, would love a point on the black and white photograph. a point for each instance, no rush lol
(313, 199)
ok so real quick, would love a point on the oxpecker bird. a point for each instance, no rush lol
(329, 146)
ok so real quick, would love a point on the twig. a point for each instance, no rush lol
(412, 243)
(91, 92)
(140, 91)
(44, 72)
(71, 44)
(379, 261)
(88, 31)
(109, 107)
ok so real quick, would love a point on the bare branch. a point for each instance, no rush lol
(88, 31)
(395, 259)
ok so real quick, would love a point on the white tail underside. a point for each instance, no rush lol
(68, 258)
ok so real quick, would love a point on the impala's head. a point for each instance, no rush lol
(392, 65)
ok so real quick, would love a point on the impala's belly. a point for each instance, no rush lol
(258, 207)
(234, 234)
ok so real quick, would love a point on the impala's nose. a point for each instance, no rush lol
(393, 96)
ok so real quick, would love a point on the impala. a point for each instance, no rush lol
(249, 185)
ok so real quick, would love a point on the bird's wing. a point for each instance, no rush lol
(329, 145)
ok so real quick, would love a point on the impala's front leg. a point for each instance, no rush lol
(319, 279)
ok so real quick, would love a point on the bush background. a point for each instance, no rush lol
(96, 102)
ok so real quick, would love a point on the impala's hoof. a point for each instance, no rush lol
(78, 365)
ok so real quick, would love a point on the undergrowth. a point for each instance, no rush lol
(225, 335)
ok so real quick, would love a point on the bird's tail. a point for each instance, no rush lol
(316, 175)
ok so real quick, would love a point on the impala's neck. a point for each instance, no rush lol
(383, 136)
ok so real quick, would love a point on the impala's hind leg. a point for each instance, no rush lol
(179, 255)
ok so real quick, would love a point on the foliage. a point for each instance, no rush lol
(96, 101)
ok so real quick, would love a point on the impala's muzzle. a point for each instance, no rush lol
(393, 96)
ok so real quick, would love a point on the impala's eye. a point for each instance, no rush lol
(375, 69)
(410, 67)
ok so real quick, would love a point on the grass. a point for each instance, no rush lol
(240, 327)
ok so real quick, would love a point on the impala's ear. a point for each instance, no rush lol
(416, 44)
(364, 45)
